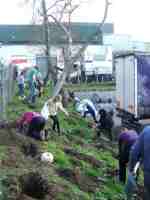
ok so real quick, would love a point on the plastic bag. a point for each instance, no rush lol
(45, 111)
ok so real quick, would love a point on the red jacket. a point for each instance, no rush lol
(26, 118)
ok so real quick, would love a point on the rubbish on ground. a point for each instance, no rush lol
(47, 157)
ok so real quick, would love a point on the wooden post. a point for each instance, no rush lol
(0, 91)
(4, 90)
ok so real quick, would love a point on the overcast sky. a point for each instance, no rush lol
(129, 16)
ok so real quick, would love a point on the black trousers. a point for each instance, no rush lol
(122, 171)
(107, 131)
(55, 126)
(124, 152)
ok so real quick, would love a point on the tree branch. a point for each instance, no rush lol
(54, 4)
(60, 25)
(100, 27)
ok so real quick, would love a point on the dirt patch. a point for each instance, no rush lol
(75, 176)
(12, 186)
(11, 137)
(31, 186)
(105, 144)
(54, 190)
(76, 139)
(7, 124)
(31, 149)
(34, 185)
(11, 160)
(25, 197)
(90, 159)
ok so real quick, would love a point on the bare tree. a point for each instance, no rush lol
(60, 12)
(51, 69)
(70, 59)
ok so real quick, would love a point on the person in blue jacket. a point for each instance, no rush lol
(141, 152)
(91, 111)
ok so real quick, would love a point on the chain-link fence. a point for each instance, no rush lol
(7, 87)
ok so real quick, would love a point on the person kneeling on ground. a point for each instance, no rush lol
(105, 123)
(125, 141)
(32, 124)
(54, 105)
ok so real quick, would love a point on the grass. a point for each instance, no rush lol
(76, 135)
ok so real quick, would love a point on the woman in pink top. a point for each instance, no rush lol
(32, 124)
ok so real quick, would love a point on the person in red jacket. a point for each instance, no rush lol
(32, 124)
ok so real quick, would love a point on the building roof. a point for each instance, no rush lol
(34, 34)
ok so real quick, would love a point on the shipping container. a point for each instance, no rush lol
(132, 72)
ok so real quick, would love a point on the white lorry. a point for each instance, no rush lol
(98, 62)
(132, 72)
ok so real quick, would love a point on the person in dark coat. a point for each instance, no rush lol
(36, 128)
(141, 152)
(32, 124)
(105, 123)
(125, 141)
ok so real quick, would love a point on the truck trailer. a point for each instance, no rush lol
(132, 72)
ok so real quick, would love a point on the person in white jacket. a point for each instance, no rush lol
(54, 105)
(86, 106)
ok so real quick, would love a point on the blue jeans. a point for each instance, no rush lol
(32, 92)
(21, 90)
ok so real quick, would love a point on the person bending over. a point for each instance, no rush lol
(105, 123)
(32, 124)
(125, 141)
(55, 105)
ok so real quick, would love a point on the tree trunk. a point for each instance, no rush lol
(47, 45)
(59, 84)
